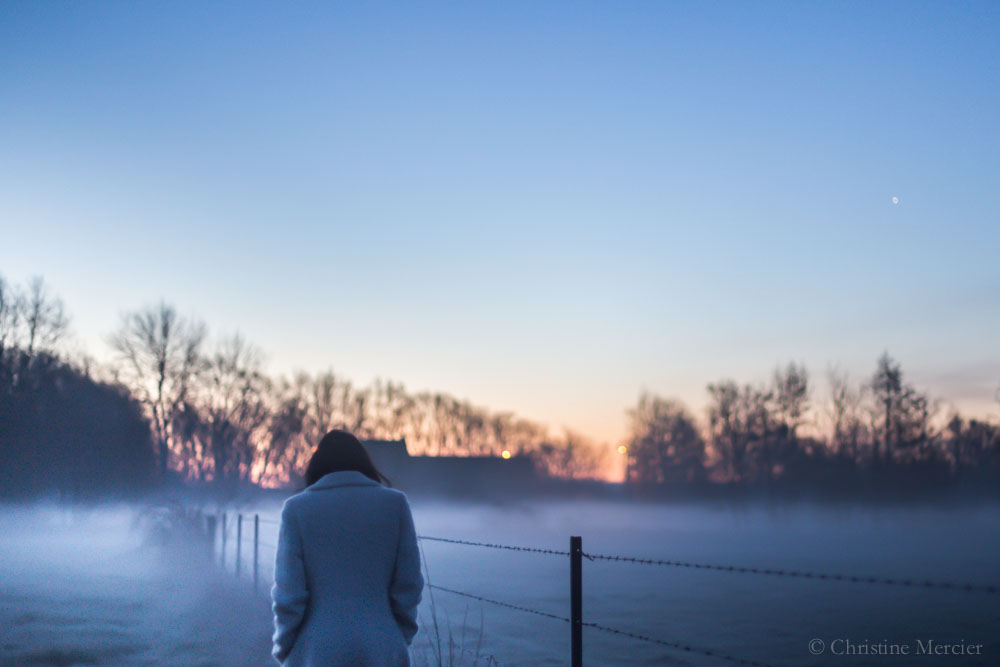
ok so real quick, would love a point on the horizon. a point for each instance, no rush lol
(513, 205)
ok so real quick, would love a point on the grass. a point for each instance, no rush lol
(442, 650)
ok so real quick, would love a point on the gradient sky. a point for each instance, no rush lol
(541, 207)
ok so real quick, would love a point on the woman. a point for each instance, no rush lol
(347, 576)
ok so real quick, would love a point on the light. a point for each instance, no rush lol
(505, 453)
(622, 449)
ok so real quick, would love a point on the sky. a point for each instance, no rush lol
(541, 207)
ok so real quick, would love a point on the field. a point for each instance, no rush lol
(93, 587)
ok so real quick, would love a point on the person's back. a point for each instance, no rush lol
(347, 574)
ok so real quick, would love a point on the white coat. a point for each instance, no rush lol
(347, 576)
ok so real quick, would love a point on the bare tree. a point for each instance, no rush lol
(664, 446)
(743, 430)
(159, 354)
(887, 387)
(284, 431)
(471, 429)
(44, 317)
(326, 399)
(389, 406)
(574, 457)
(791, 390)
(233, 397)
(848, 431)
(725, 423)
(902, 414)
(10, 316)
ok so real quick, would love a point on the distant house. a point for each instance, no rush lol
(462, 475)
(389, 456)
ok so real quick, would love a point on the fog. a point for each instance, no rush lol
(84, 586)
(756, 617)
(102, 585)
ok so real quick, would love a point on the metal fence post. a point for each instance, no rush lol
(256, 535)
(239, 543)
(576, 599)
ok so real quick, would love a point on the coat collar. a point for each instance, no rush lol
(343, 478)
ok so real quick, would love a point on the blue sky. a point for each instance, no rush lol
(542, 207)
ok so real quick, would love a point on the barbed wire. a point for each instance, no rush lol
(801, 574)
(687, 648)
(495, 546)
(670, 644)
(497, 602)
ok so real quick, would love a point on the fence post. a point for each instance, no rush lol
(239, 543)
(210, 536)
(576, 599)
(224, 532)
(256, 535)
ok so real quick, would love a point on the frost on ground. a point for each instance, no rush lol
(105, 586)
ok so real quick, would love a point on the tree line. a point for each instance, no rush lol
(878, 435)
(176, 402)
(211, 414)
(63, 433)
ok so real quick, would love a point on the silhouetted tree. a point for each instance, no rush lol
(741, 426)
(9, 315)
(849, 432)
(791, 391)
(44, 318)
(572, 457)
(232, 393)
(664, 446)
(284, 434)
(389, 404)
(725, 425)
(159, 354)
(902, 415)
(32, 320)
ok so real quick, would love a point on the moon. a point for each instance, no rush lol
(895, 200)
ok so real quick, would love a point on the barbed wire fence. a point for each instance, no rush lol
(234, 529)
(577, 554)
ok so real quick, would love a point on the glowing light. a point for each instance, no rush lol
(895, 200)
(622, 449)
(505, 453)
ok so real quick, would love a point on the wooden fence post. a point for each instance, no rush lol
(210, 536)
(239, 544)
(256, 536)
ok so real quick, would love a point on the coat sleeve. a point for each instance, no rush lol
(289, 594)
(407, 583)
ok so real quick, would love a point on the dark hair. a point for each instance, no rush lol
(339, 451)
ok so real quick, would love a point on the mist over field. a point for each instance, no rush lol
(107, 584)
(101, 585)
